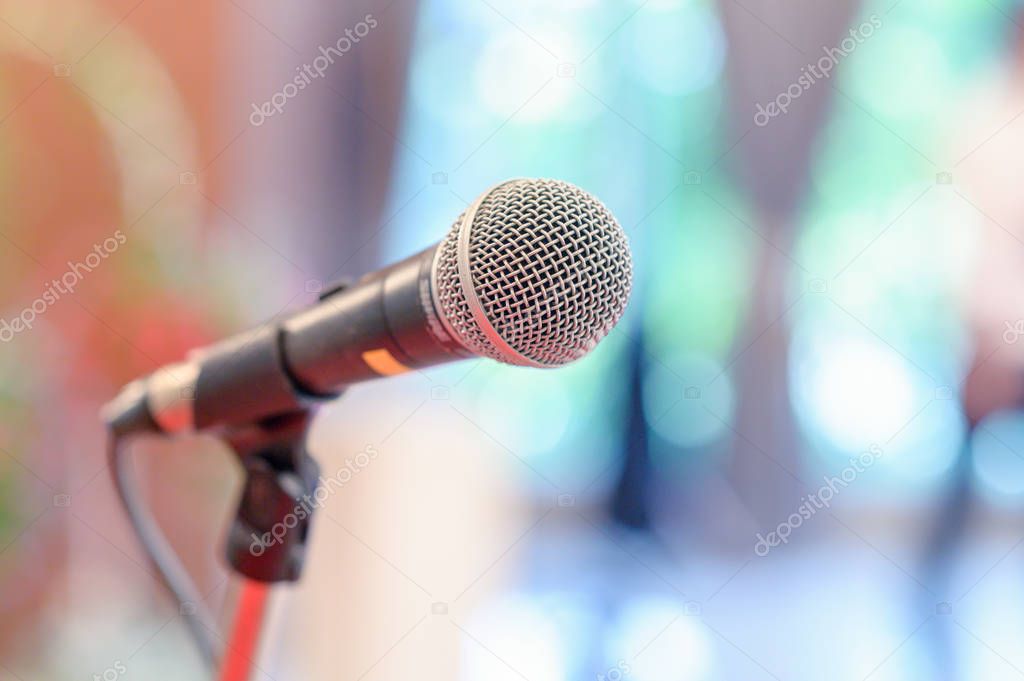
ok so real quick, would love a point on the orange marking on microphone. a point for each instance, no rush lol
(383, 362)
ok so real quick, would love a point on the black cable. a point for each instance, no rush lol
(169, 567)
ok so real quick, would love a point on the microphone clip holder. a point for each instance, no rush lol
(266, 541)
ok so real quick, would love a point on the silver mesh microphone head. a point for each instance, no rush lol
(534, 273)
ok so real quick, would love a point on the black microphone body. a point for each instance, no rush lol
(382, 325)
(534, 273)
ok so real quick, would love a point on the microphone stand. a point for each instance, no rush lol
(266, 542)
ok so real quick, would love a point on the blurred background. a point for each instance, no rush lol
(799, 454)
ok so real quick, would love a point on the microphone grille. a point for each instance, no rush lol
(535, 273)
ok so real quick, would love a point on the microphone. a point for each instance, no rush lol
(534, 273)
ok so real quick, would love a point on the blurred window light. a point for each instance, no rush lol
(852, 392)
(703, 274)
(661, 639)
(869, 247)
(516, 75)
(513, 637)
(927, 448)
(916, 90)
(558, 427)
(688, 399)
(855, 391)
(440, 91)
(527, 411)
(677, 50)
(999, 457)
(990, 612)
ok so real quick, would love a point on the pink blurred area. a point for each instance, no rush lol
(127, 124)
(112, 122)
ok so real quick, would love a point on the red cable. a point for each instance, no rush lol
(240, 655)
